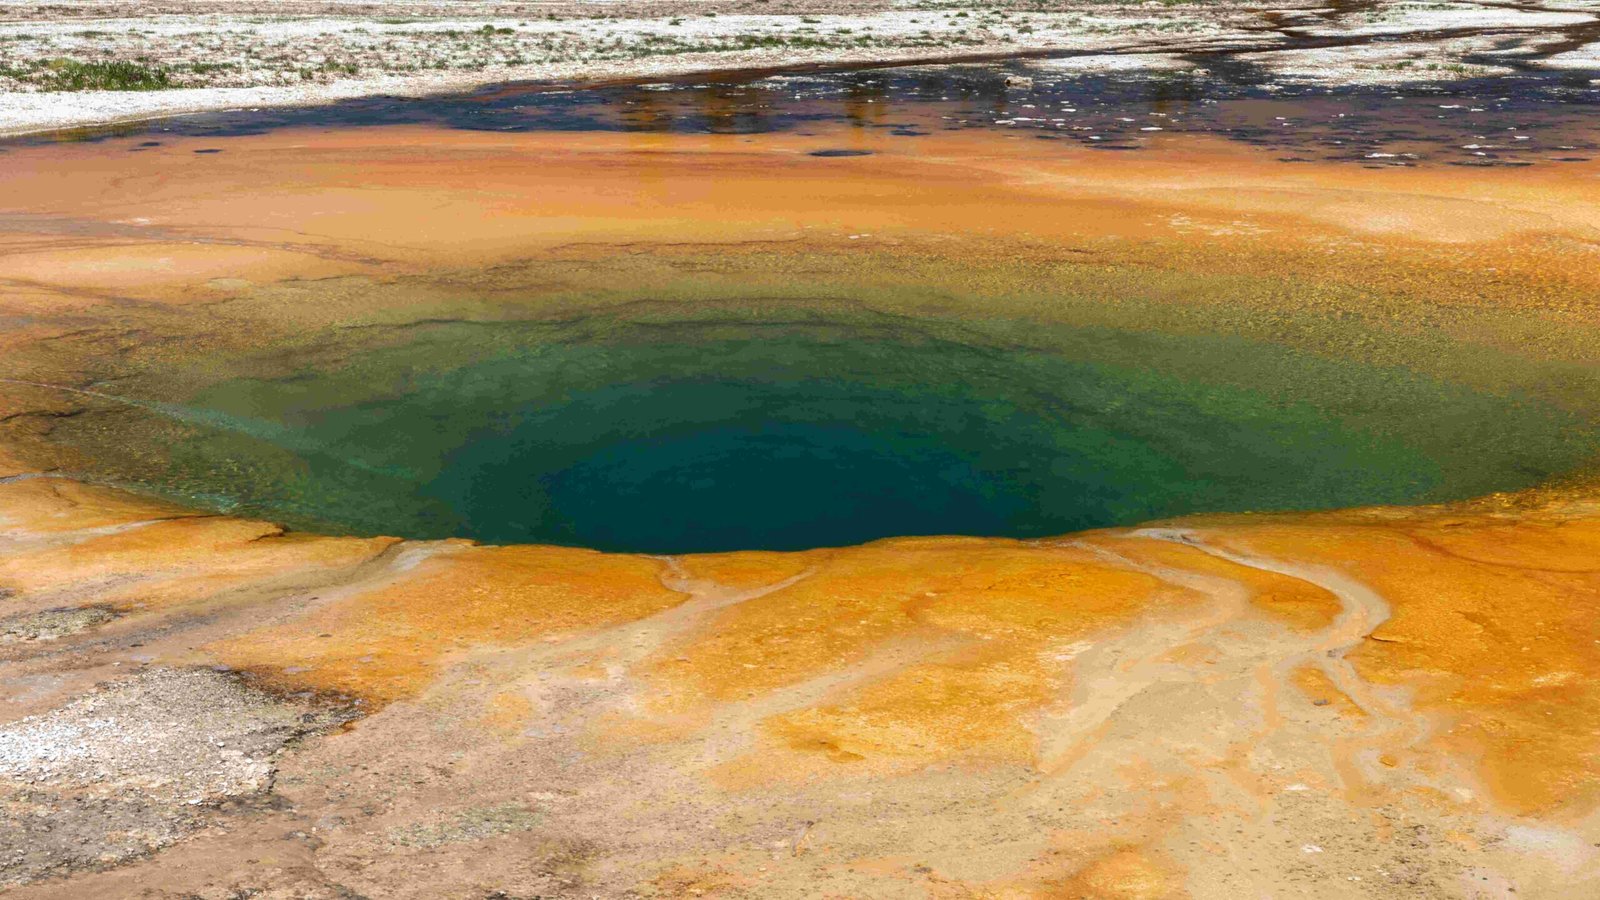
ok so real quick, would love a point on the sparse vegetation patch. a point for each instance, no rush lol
(101, 75)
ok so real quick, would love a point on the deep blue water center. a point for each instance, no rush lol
(699, 438)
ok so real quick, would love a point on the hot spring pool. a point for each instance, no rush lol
(668, 434)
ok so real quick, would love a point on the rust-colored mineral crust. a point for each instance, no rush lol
(1394, 702)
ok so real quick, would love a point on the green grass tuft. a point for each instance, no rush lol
(72, 75)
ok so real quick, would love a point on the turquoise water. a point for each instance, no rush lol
(678, 436)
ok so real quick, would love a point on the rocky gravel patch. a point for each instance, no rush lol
(53, 624)
(138, 764)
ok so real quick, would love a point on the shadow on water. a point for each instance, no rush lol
(1554, 112)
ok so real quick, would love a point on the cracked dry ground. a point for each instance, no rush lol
(1387, 702)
